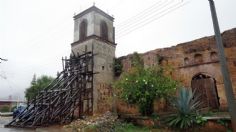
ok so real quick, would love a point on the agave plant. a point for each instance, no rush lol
(186, 103)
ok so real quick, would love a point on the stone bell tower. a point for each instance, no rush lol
(94, 28)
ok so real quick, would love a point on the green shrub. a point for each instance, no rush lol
(129, 127)
(141, 86)
(117, 67)
(186, 107)
(225, 123)
(5, 109)
(200, 120)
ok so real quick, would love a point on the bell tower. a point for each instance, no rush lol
(93, 29)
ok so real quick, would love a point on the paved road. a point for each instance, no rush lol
(5, 120)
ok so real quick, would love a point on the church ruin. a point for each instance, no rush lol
(196, 65)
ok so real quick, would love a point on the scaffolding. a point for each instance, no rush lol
(70, 94)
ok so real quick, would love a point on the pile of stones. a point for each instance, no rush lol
(101, 123)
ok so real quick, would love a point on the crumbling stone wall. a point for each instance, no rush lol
(194, 57)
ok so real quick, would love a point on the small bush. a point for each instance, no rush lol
(200, 120)
(5, 109)
(129, 127)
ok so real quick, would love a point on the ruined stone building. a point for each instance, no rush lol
(197, 66)
(93, 29)
(194, 63)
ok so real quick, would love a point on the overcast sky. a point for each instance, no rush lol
(35, 34)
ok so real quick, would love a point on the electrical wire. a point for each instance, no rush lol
(141, 14)
(149, 16)
(156, 18)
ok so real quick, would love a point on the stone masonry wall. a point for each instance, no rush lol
(194, 57)
(103, 66)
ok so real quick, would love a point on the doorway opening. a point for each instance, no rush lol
(205, 87)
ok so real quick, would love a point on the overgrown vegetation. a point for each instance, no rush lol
(141, 86)
(37, 84)
(117, 67)
(225, 123)
(129, 127)
(116, 127)
(187, 110)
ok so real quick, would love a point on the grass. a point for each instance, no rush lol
(129, 127)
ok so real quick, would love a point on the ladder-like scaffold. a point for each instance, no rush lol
(70, 93)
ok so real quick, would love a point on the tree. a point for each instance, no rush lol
(141, 86)
(36, 85)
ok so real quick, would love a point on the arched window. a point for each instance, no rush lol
(104, 30)
(83, 30)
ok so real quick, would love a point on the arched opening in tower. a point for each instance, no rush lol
(83, 30)
(104, 30)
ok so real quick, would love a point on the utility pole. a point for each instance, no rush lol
(224, 67)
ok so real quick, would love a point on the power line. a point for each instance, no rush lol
(173, 8)
(142, 13)
(144, 16)
(138, 26)
(147, 16)
(150, 16)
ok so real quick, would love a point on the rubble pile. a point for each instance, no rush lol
(102, 123)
